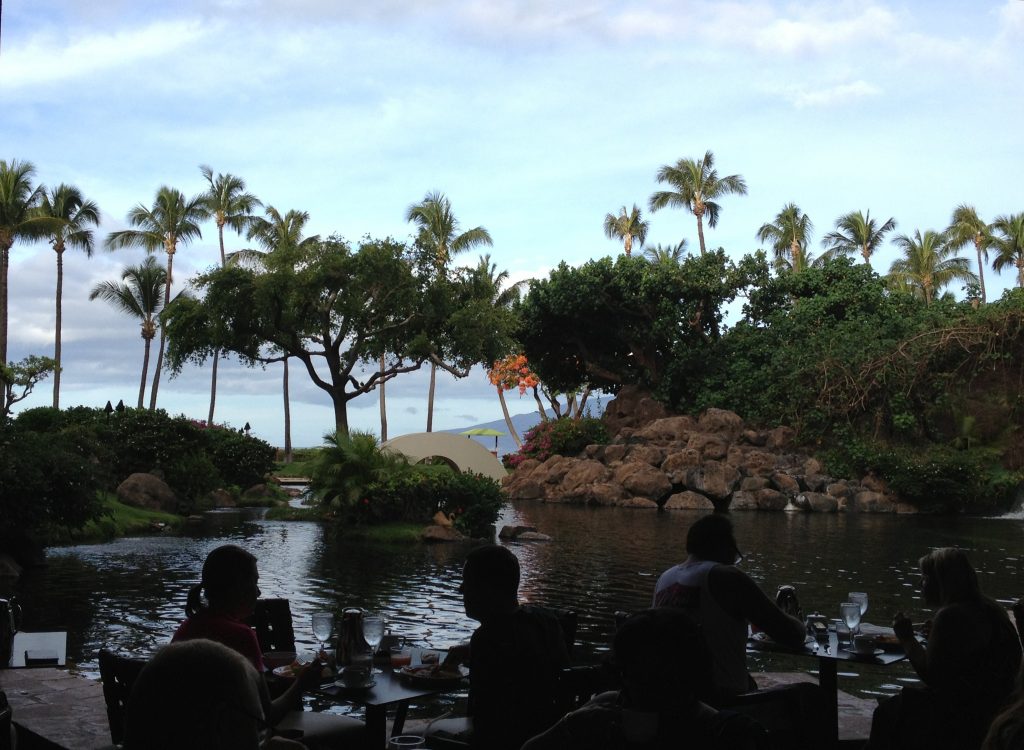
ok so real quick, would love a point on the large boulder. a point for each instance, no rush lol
(754, 463)
(668, 429)
(785, 483)
(524, 488)
(769, 499)
(647, 454)
(605, 493)
(631, 407)
(638, 502)
(867, 501)
(779, 437)
(436, 534)
(676, 465)
(614, 453)
(721, 422)
(142, 490)
(688, 501)
(710, 445)
(583, 472)
(819, 502)
(742, 500)
(643, 480)
(715, 479)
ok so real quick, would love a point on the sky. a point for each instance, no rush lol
(535, 117)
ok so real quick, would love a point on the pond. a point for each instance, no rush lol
(129, 594)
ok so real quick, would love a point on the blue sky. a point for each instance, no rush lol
(536, 118)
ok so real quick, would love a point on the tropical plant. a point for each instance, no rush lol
(1008, 244)
(966, 226)
(18, 221)
(697, 189)
(230, 205)
(789, 235)
(561, 437)
(929, 264)
(669, 254)
(172, 219)
(71, 216)
(856, 232)
(438, 239)
(627, 226)
(17, 380)
(139, 295)
(348, 463)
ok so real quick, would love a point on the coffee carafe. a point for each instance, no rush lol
(10, 620)
(350, 635)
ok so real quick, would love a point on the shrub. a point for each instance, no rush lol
(563, 437)
(239, 459)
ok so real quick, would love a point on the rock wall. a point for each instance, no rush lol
(657, 460)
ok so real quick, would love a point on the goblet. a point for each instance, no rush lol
(373, 631)
(850, 612)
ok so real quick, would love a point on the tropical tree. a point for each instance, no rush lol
(966, 226)
(18, 221)
(697, 188)
(71, 217)
(281, 238)
(672, 255)
(437, 240)
(138, 294)
(929, 264)
(1008, 243)
(172, 219)
(789, 235)
(627, 226)
(856, 232)
(230, 205)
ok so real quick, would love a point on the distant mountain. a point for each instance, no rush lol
(522, 422)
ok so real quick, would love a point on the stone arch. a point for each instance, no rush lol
(466, 453)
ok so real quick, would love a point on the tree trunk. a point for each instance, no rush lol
(700, 231)
(287, 417)
(163, 338)
(430, 397)
(540, 406)
(56, 330)
(383, 404)
(213, 387)
(5, 256)
(508, 419)
(981, 269)
(145, 369)
(583, 402)
(628, 244)
(340, 413)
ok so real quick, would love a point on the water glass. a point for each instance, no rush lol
(405, 741)
(850, 612)
(860, 598)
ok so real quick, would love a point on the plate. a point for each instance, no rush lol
(859, 655)
(286, 671)
(355, 688)
(428, 676)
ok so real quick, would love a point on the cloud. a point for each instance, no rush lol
(840, 94)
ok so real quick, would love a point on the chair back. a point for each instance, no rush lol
(6, 723)
(272, 620)
(118, 674)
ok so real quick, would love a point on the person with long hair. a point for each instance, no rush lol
(968, 668)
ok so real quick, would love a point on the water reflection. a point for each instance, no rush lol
(130, 594)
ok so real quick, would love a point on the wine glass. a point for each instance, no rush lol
(373, 631)
(860, 598)
(405, 741)
(323, 624)
(850, 612)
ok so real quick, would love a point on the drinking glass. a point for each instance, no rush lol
(404, 741)
(860, 598)
(373, 631)
(323, 624)
(850, 612)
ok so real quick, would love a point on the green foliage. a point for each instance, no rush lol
(239, 459)
(563, 437)
(18, 380)
(348, 464)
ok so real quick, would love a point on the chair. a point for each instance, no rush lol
(790, 714)
(272, 620)
(118, 675)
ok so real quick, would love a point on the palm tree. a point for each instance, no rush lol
(928, 265)
(856, 233)
(697, 188)
(281, 237)
(171, 219)
(439, 237)
(229, 205)
(18, 221)
(626, 226)
(966, 226)
(72, 215)
(671, 255)
(789, 236)
(138, 294)
(1008, 242)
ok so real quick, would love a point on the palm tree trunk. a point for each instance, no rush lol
(163, 340)
(5, 256)
(145, 369)
(628, 244)
(540, 406)
(57, 325)
(508, 419)
(213, 386)
(287, 417)
(383, 405)
(700, 232)
(981, 270)
(430, 397)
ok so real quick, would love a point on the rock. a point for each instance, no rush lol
(821, 503)
(613, 453)
(260, 492)
(714, 479)
(643, 480)
(799, 502)
(511, 532)
(532, 536)
(631, 407)
(554, 469)
(743, 501)
(757, 463)
(817, 482)
(709, 445)
(906, 509)
(688, 501)
(441, 519)
(222, 499)
(785, 483)
(867, 501)
(669, 428)
(638, 502)
(585, 471)
(677, 464)
(753, 437)
(524, 469)
(779, 437)
(721, 422)
(874, 483)
(605, 493)
(526, 488)
(838, 489)
(143, 490)
(753, 484)
(648, 454)
(436, 534)
(812, 466)
(769, 499)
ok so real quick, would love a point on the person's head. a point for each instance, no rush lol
(947, 576)
(711, 538)
(194, 694)
(490, 582)
(662, 659)
(229, 582)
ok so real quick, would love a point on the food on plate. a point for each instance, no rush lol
(439, 672)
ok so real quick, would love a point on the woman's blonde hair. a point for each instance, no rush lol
(952, 573)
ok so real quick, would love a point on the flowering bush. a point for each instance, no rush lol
(564, 437)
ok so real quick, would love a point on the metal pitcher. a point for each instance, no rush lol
(350, 635)
(10, 621)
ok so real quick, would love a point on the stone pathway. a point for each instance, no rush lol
(68, 710)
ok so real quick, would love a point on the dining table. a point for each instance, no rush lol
(830, 650)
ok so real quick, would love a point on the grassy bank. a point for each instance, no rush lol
(119, 520)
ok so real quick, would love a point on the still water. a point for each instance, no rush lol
(129, 595)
